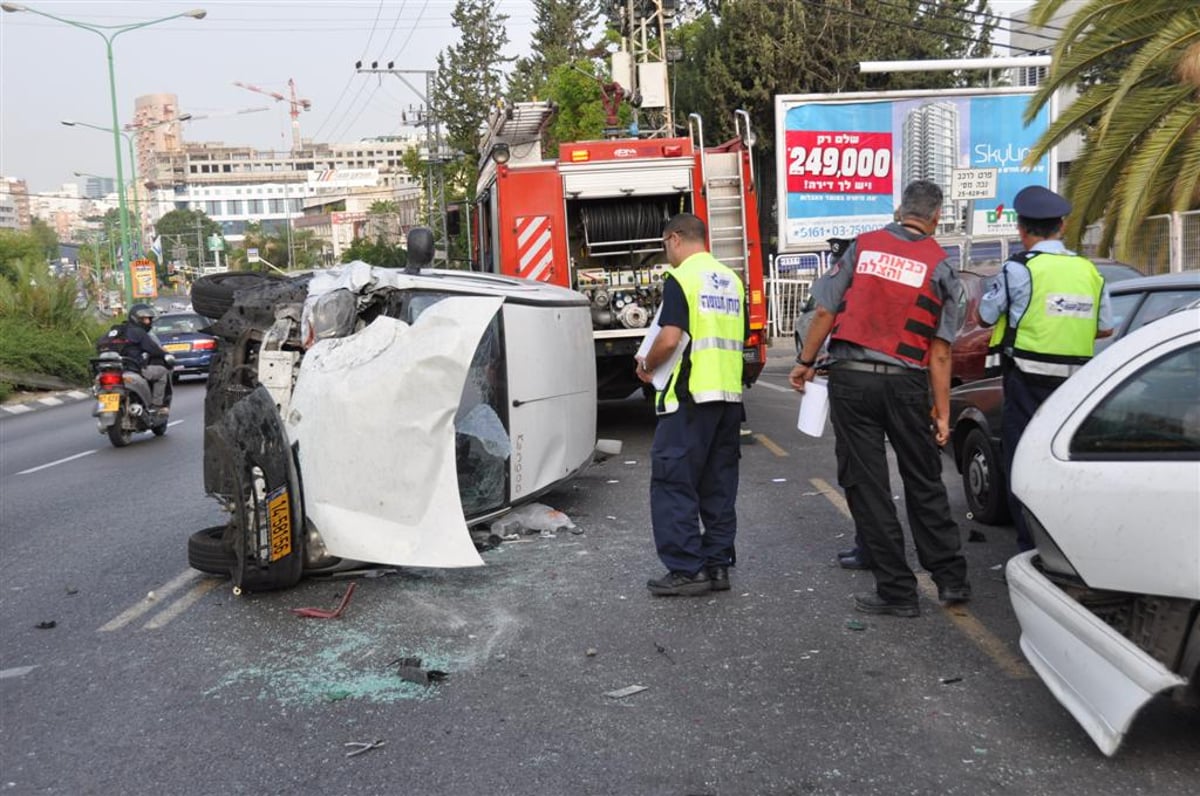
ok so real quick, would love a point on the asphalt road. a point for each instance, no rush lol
(157, 680)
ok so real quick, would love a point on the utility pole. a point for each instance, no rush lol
(640, 67)
(200, 245)
(435, 158)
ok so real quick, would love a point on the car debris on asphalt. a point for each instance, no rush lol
(321, 613)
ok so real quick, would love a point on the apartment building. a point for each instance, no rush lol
(237, 185)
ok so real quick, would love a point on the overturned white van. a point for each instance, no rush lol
(372, 415)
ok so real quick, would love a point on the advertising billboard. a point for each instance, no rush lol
(145, 280)
(843, 159)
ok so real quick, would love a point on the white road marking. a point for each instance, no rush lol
(59, 461)
(50, 400)
(17, 409)
(18, 671)
(183, 603)
(770, 386)
(76, 456)
(146, 605)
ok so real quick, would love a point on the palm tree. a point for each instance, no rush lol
(1141, 153)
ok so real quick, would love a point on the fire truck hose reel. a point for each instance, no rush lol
(632, 316)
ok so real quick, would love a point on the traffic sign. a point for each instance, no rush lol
(251, 255)
(216, 243)
(973, 184)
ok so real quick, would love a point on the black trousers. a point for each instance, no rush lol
(1021, 399)
(865, 408)
(693, 478)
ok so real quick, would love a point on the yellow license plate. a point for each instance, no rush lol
(279, 518)
(177, 347)
(109, 401)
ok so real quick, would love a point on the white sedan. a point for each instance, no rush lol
(1109, 473)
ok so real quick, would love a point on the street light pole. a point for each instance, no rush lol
(128, 134)
(116, 30)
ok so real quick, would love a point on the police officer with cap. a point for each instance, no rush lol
(1047, 306)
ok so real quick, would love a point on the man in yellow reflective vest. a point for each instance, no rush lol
(1048, 305)
(694, 457)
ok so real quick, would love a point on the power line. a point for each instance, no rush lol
(862, 15)
(420, 16)
(392, 32)
(941, 13)
(374, 25)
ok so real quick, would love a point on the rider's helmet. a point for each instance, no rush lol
(142, 315)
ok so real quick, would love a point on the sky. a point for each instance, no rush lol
(50, 71)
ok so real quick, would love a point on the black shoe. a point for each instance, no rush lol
(680, 584)
(957, 594)
(851, 553)
(852, 562)
(718, 578)
(871, 603)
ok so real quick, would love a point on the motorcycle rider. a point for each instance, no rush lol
(134, 341)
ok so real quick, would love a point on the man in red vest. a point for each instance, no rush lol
(889, 307)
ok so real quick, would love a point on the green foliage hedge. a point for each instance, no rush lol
(61, 353)
(45, 331)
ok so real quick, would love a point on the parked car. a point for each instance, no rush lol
(975, 407)
(181, 333)
(366, 414)
(1108, 473)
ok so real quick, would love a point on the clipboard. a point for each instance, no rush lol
(662, 374)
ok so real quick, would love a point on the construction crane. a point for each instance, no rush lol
(295, 103)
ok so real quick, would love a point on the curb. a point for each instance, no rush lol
(45, 402)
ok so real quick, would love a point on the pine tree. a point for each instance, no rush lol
(468, 79)
(563, 28)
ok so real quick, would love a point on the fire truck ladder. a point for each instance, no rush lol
(724, 191)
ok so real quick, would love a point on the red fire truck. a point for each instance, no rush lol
(592, 220)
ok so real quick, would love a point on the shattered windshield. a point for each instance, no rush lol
(481, 440)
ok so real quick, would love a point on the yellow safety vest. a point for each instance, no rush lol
(716, 324)
(1057, 333)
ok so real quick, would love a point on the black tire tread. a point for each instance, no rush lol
(995, 511)
(207, 552)
(212, 295)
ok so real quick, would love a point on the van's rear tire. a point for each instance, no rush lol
(208, 553)
(212, 295)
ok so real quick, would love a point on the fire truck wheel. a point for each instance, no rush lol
(208, 553)
(212, 295)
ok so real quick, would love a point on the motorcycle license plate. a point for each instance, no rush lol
(108, 402)
(177, 347)
(279, 519)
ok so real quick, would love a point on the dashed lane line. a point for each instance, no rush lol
(776, 387)
(985, 639)
(959, 614)
(76, 456)
(770, 445)
(148, 604)
(182, 604)
(58, 461)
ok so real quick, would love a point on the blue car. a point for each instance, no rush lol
(181, 334)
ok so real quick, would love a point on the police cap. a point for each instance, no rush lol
(1034, 201)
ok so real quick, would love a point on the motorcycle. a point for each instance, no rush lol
(123, 400)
